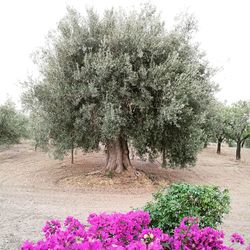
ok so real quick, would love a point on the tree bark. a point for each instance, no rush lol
(117, 155)
(219, 146)
(164, 160)
(238, 150)
(72, 154)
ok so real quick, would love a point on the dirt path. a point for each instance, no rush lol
(34, 188)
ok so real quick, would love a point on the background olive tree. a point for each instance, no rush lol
(13, 124)
(239, 124)
(219, 123)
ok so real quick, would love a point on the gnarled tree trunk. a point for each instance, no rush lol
(117, 155)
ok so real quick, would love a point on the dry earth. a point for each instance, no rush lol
(34, 188)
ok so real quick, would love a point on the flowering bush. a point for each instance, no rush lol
(127, 231)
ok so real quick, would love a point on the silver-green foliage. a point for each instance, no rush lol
(239, 124)
(247, 143)
(239, 120)
(13, 124)
(123, 74)
(216, 123)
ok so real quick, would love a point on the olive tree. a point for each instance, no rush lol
(239, 124)
(122, 76)
(13, 124)
(219, 123)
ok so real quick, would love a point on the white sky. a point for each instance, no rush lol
(224, 34)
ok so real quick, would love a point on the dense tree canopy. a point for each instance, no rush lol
(13, 124)
(123, 76)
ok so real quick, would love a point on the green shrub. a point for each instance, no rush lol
(171, 205)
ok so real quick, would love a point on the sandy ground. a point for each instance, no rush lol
(34, 188)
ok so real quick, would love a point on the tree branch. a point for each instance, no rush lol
(244, 138)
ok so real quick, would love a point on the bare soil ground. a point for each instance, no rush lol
(35, 188)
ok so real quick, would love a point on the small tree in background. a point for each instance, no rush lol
(13, 124)
(123, 77)
(239, 126)
(216, 124)
(220, 124)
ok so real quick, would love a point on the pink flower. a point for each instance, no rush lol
(237, 238)
(129, 231)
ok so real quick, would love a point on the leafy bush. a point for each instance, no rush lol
(127, 231)
(171, 205)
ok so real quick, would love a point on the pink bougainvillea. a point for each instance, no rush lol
(128, 231)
